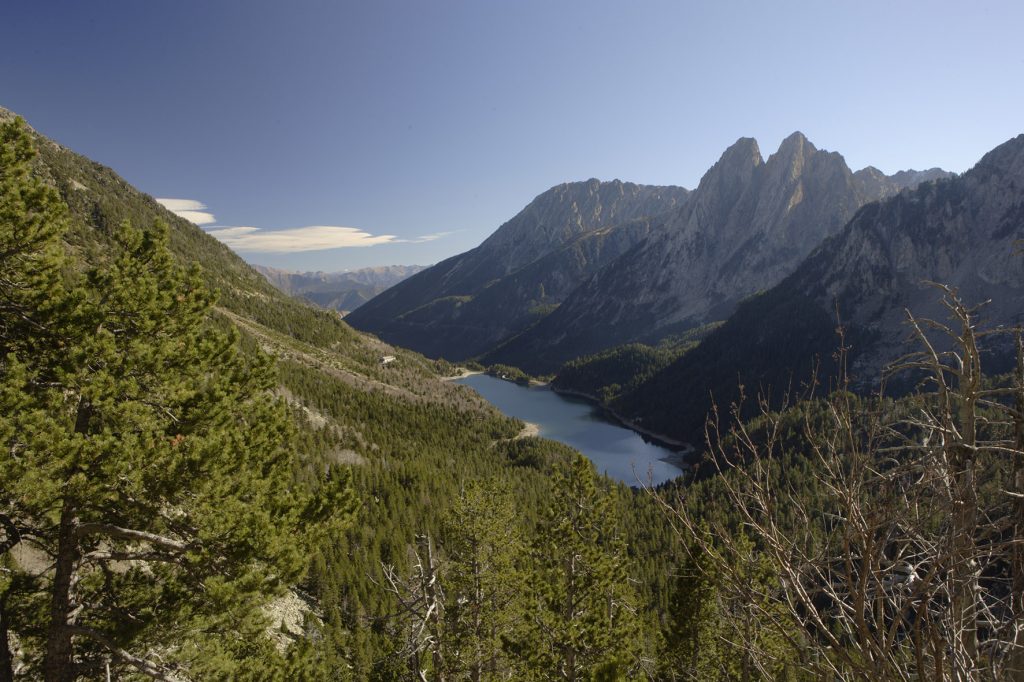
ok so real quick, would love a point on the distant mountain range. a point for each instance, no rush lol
(341, 291)
(587, 266)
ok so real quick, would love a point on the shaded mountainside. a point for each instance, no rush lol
(470, 303)
(747, 225)
(960, 231)
(341, 291)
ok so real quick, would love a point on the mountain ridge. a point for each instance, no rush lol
(580, 226)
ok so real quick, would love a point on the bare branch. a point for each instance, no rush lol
(142, 665)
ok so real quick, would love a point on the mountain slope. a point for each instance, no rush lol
(528, 265)
(959, 231)
(747, 225)
(411, 444)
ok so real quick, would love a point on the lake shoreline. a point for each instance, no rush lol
(682, 451)
(621, 452)
(464, 373)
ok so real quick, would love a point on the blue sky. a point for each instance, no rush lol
(414, 129)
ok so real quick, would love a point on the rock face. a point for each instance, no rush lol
(964, 231)
(472, 302)
(341, 291)
(747, 225)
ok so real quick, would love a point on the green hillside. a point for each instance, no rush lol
(409, 445)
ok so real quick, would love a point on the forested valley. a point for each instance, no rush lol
(204, 479)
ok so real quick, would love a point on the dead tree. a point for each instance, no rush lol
(906, 565)
(421, 610)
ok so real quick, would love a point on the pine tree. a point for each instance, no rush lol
(484, 543)
(581, 621)
(693, 634)
(32, 219)
(145, 459)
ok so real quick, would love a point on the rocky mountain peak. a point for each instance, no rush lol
(796, 143)
(793, 153)
(1006, 160)
(732, 172)
(741, 154)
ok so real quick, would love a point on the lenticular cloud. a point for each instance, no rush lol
(258, 240)
(189, 209)
(312, 238)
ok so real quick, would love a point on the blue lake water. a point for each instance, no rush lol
(617, 451)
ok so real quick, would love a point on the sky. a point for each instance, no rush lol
(335, 135)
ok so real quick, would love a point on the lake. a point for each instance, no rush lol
(615, 450)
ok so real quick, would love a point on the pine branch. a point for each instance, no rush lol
(116, 532)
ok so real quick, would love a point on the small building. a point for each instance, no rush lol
(387, 359)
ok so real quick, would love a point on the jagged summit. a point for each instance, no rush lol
(961, 231)
(747, 225)
(739, 158)
(793, 152)
(795, 144)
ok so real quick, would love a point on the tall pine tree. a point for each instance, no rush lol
(581, 621)
(484, 544)
(145, 463)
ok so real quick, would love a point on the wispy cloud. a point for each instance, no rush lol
(312, 238)
(189, 209)
(428, 237)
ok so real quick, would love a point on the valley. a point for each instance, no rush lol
(767, 428)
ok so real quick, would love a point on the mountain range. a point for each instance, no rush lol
(749, 223)
(964, 232)
(341, 291)
(587, 266)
